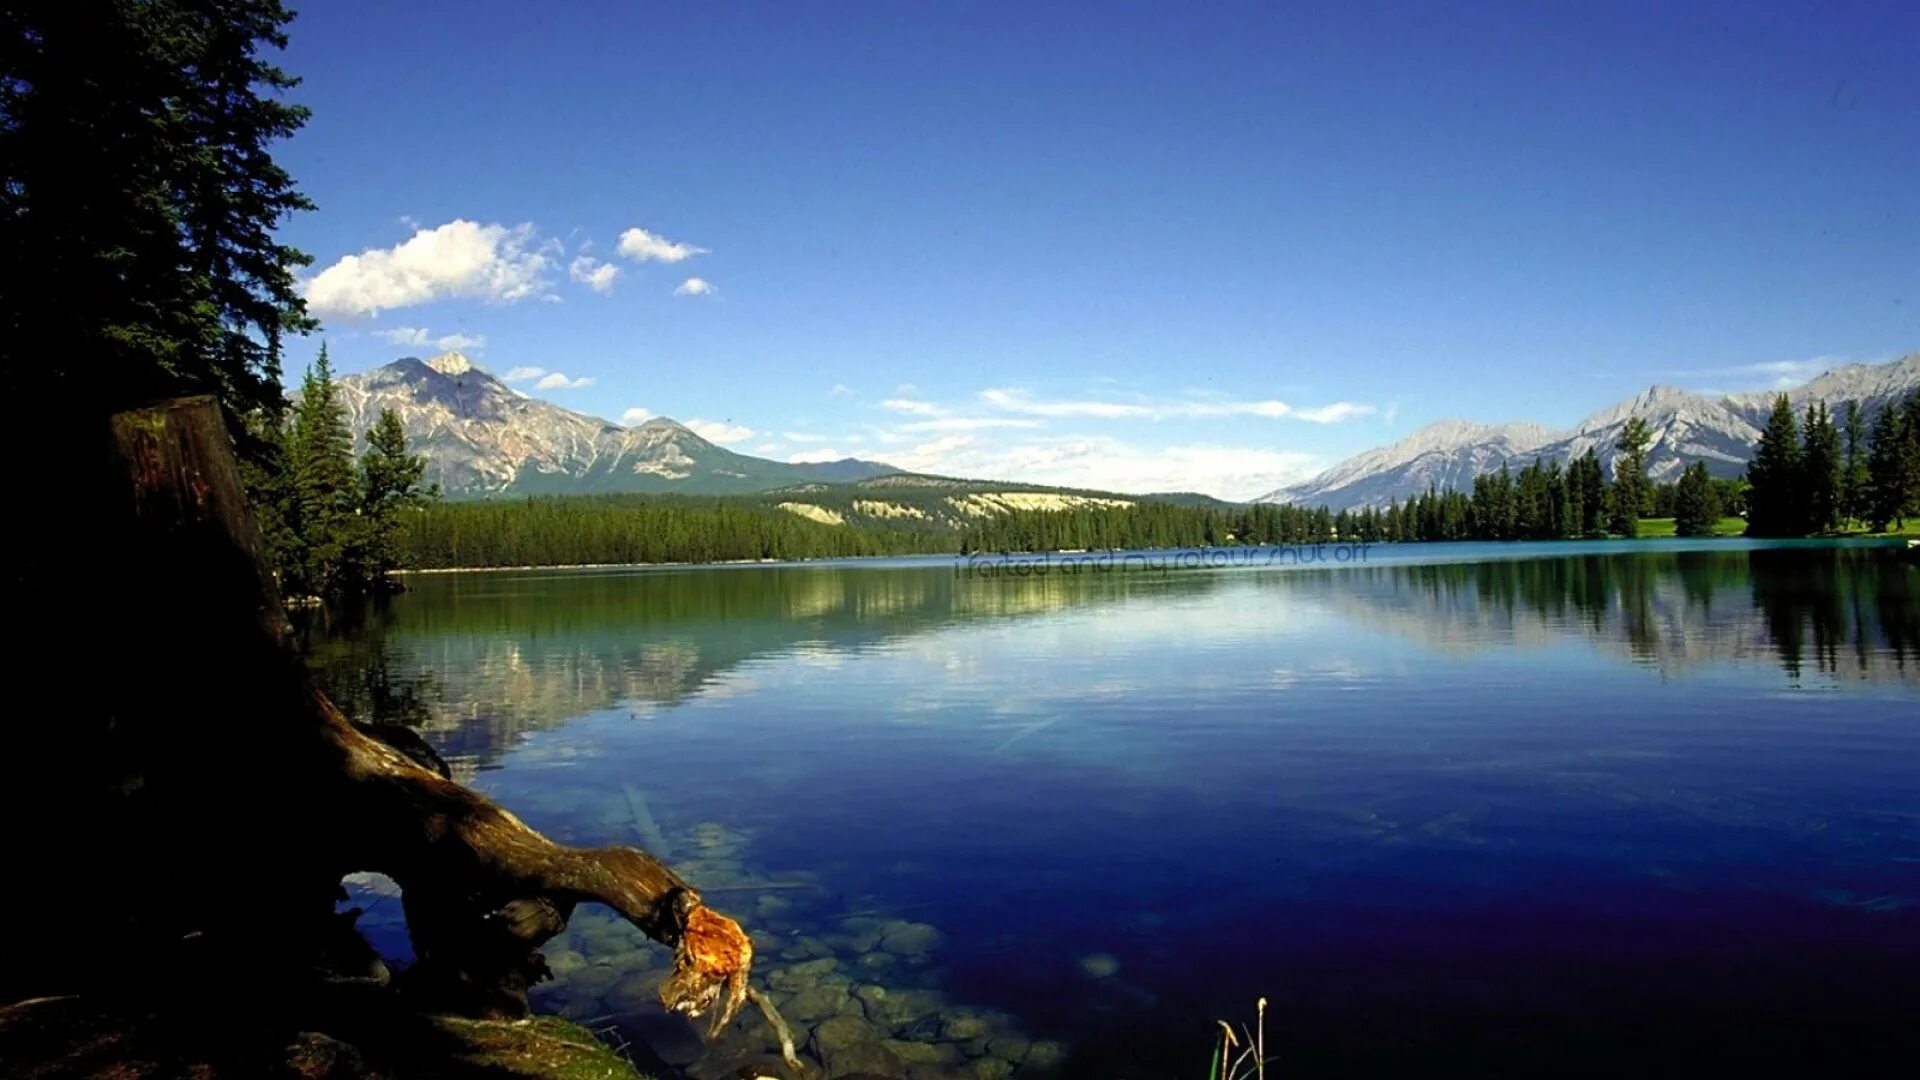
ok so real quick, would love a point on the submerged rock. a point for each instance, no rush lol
(900, 1011)
(921, 1053)
(636, 992)
(848, 1045)
(593, 980)
(910, 939)
(802, 976)
(1011, 1046)
(671, 1038)
(1045, 1054)
(858, 934)
(878, 961)
(815, 1004)
(992, 1068)
(963, 1025)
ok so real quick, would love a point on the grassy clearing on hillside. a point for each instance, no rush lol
(1660, 527)
(1656, 528)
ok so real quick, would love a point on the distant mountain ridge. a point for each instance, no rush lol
(1687, 427)
(481, 437)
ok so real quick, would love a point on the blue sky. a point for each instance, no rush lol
(1125, 246)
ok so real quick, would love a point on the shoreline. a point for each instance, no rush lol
(1889, 540)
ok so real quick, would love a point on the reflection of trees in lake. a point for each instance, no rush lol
(479, 659)
(1828, 604)
(351, 652)
(1855, 611)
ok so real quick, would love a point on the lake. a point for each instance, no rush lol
(1447, 808)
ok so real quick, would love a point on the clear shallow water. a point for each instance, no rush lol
(1463, 807)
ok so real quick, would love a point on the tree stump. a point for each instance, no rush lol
(223, 796)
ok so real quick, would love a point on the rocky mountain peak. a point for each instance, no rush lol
(450, 363)
(1687, 427)
(481, 437)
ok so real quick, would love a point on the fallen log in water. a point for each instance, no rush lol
(234, 768)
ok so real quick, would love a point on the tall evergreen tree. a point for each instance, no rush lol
(1773, 476)
(138, 200)
(1589, 494)
(1910, 452)
(1696, 505)
(390, 484)
(1853, 470)
(1888, 463)
(325, 492)
(1630, 477)
(1821, 474)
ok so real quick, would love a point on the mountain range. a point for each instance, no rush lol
(1687, 427)
(481, 437)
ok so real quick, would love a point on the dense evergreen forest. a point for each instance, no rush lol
(1810, 476)
(331, 522)
(1816, 482)
(570, 531)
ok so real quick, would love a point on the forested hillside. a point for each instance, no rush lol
(629, 529)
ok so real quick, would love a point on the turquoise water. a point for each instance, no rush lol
(1483, 808)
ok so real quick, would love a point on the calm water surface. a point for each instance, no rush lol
(1464, 808)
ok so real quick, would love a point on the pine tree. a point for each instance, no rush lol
(138, 200)
(1887, 469)
(390, 484)
(1696, 505)
(1589, 493)
(1773, 476)
(1910, 452)
(269, 485)
(325, 493)
(1821, 473)
(1853, 471)
(1630, 477)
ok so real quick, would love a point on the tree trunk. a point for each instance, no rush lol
(224, 796)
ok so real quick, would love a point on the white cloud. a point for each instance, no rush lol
(1334, 413)
(1765, 375)
(909, 405)
(593, 273)
(1269, 408)
(815, 457)
(715, 431)
(411, 337)
(1018, 401)
(968, 423)
(456, 342)
(557, 380)
(840, 389)
(694, 286)
(465, 259)
(802, 437)
(523, 374)
(636, 415)
(642, 246)
(417, 337)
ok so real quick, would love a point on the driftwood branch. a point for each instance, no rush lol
(318, 797)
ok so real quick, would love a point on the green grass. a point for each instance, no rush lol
(1659, 527)
(1655, 528)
